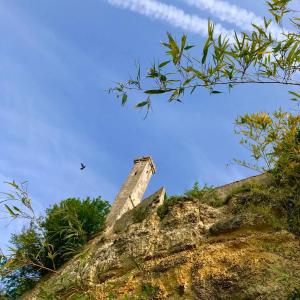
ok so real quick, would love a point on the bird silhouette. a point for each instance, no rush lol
(82, 166)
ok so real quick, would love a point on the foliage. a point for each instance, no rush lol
(71, 223)
(17, 202)
(207, 194)
(268, 54)
(262, 56)
(149, 291)
(235, 191)
(226, 225)
(140, 213)
(279, 205)
(48, 242)
(276, 222)
(274, 142)
(20, 281)
(294, 295)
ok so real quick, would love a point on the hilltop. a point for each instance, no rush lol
(213, 244)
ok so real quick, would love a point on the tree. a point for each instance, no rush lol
(274, 141)
(46, 242)
(71, 223)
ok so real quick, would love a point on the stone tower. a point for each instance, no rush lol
(132, 190)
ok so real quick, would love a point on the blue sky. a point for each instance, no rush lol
(57, 58)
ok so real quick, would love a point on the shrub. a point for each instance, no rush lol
(140, 213)
(274, 143)
(294, 295)
(238, 190)
(225, 226)
(149, 291)
(21, 272)
(47, 243)
(279, 205)
(69, 224)
(269, 217)
(207, 194)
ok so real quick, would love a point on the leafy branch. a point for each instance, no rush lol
(256, 57)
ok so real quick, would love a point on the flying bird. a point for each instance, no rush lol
(82, 166)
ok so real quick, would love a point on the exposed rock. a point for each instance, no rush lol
(195, 252)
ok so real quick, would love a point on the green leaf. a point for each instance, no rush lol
(9, 210)
(163, 78)
(156, 91)
(193, 89)
(16, 209)
(205, 50)
(124, 99)
(164, 63)
(189, 47)
(216, 92)
(141, 104)
(183, 42)
(294, 94)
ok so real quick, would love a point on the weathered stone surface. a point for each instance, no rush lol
(133, 189)
(181, 257)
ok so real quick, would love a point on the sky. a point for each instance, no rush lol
(57, 60)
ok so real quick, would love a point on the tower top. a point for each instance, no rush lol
(149, 159)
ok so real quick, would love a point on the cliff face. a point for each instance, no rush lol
(191, 251)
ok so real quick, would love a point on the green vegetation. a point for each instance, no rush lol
(137, 215)
(273, 139)
(207, 194)
(278, 204)
(71, 223)
(46, 243)
(149, 291)
(238, 190)
(253, 57)
(227, 225)
(140, 213)
(294, 295)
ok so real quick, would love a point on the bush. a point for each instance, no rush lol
(48, 243)
(19, 281)
(238, 190)
(24, 270)
(280, 205)
(294, 295)
(207, 194)
(149, 291)
(71, 223)
(140, 213)
(225, 226)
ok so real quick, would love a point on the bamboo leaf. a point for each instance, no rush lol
(156, 91)
(124, 99)
(141, 104)
(164, 63)
(10, 210)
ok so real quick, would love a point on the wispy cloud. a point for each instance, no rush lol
(233, 14)
(170, 14)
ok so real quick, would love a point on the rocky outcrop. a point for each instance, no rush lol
(195, 251)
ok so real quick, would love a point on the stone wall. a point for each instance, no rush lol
(259, 179)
